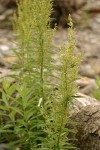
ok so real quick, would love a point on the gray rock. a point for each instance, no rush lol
(3, 147)
(1, 8)
(86, 112)
(86, 85)
(87, 70)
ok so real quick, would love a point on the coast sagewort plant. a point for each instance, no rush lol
(33, 114)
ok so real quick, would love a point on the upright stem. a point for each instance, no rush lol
(42, 66)
(60, 131)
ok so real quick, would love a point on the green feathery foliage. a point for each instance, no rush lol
(58, 115)
(34, 45)
(33, 115)
(69, 66)
(96, 92)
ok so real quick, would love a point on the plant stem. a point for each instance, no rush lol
(42, 66)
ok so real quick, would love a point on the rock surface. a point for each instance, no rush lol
(3, 147)
(86, 111)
